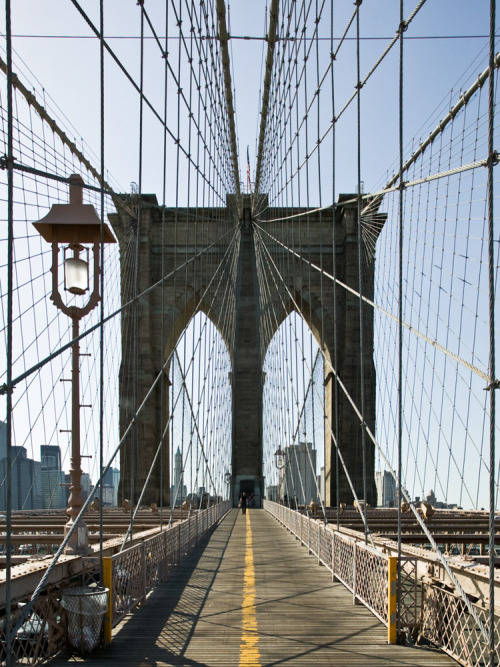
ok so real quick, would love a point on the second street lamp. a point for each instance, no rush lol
(75, 224)
(279, 458)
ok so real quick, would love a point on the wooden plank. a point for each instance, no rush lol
(303, 618)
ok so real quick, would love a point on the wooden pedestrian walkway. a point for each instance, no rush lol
(251, 596)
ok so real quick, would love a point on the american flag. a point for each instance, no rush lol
(249, 182)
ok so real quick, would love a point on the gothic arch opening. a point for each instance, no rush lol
(194, 306)
(200, 429)
(294, 414)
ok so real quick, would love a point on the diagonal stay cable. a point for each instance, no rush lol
(43, 580)
(310, 386)
(165, 365)
(341, 458)
(371, 303)
(368, 197)
(353, 96)
(462, 101)
(340, 381)
(178, 84)
(5, 388)
(195, 421)
(421, 522)
(298, 309)
(157, 115)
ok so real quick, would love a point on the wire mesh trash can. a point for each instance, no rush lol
(85, 608)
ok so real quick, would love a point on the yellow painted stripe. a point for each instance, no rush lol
(392, 571)
(249, 647)
(107, 580)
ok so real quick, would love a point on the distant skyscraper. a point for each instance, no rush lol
(386, 489)
(86, 485)
(110, 487)
(26, 481)
(54, 494)
(178, 492)
(300, 473)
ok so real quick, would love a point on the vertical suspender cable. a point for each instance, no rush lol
(175, 360)
(163, 223)
(400, 312)
(188, 216)
(101, 328)
(176, 230)
(360, 270)
(334, 254)
(322, 219)
(134, 459)
(10, 259)
(493, 384)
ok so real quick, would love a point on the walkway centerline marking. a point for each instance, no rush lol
(249, 647)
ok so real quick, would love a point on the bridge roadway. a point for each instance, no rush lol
(251, 595)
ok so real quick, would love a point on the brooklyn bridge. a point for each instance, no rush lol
(266, 363)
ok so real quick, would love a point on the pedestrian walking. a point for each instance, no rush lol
(243, 503)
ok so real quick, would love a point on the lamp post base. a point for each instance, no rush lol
(78, 544)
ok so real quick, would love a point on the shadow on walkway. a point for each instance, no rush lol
(159, 632)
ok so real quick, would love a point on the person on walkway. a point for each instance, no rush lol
(243, 503)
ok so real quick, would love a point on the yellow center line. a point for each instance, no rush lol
(249, 647)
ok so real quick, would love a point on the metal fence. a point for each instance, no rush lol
(448, 623)
(43, 633)
(132, 573)
(428, 611)
(362, 569)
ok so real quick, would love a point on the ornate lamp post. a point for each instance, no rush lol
(279, 458)
(279, 462)
(76, 225)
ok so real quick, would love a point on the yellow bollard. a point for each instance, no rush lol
(392, 625)
(107, 580)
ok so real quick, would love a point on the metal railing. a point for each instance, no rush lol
(133, 572)
(43, 633)
(362, 569)
(448, 624)
(428, 610)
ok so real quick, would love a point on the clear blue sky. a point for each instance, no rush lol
(68, 69)
(56, 53)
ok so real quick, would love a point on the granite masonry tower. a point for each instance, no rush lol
(158, 241)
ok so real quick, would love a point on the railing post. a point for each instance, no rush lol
(107, 581)
(392, 579)
(333, 556)
(144, 573)
(165, 557)
(354, 564)
(179, 539)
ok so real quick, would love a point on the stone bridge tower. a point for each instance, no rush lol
(168, 242)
